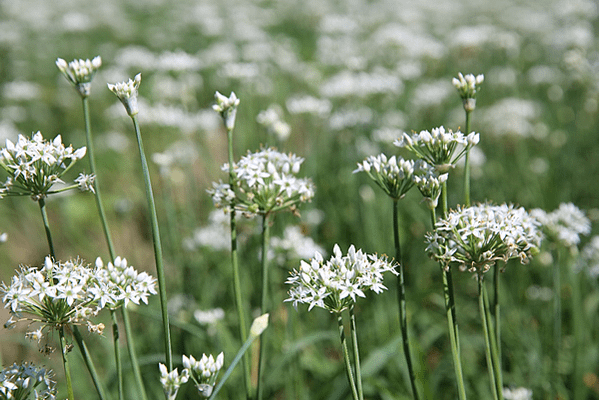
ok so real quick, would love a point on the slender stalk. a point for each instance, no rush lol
(157, 247)
(579, 389)
(401, 298)
(497, 322)
(66, 363)
(117, 353)
(557, 325)
(42, 204)
(467, 166)
(487, 334)
(88, 362)
(235, 266)
(264, 302)
(99, 205)
(354, 338)
(348, 368)
(495, 354)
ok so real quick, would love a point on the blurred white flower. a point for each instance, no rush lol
(564, 225)
(520, 393)
(20, 381)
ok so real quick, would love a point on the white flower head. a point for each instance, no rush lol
(227, 108)
(127, 93)
(467, 87)
(22, 381)
(172, 381)
(393, 175)
(86, 182)
(204, 371)
(80, 72)
(335, 284)
(429, 182)
(564, 225)
(477, 237)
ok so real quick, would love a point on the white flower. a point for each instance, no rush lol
(467, 85)
(20, 381)
(438, 147)
(86, 182)
(127, 94)
(589, 258)
(335, 284)
(227, 108)
(204, 371)
(520, 393)
(564, 225)
(393, 175)
(80, 72)
(429, 182)
(172, 381)
(477, 237)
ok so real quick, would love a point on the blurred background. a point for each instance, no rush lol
(332, 81)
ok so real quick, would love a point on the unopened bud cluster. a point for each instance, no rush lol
(80, 73)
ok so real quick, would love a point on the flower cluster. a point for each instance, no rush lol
(127, 94)
(589, 258)
(274, 124)
(80, 73)
(227, 108)
(335, 284)
(124, 284)
(266, 182)
(204, 372)
(520, 393)
(19, 381)
(467, 87)
(393, 175)
(564, 225)
(438, 147)
(294, 245)
(477, 237)
(35, 165)
(172, 381)
(71, 292)
(429, 182)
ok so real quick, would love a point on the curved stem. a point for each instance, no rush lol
(66, 363)
(354, 338)
(401, 298)
(264, 303)
(42, 204)
(157, 248)
(348, 369)
(235, 266)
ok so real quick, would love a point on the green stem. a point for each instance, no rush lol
(495, 354)
(92, 167)
(579, 389)
(467, 166)
(117, 353)
(99, 205)
(487, 334)
(88, 362)
(235, 266)
(66, 363)
(264, 302)
(354, 338)
(42, 204)
(497, 323)
(557, 324)
(348, 368)
(133, 354)
(157, 247)
(401, 297)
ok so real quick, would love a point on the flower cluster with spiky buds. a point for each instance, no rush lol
(393, 175)
(335, 284)
(72, 292)
(564, 225)
(80, 73)
(227, 108)
(35, 165)
(467, 88)
(172, 381)
(19, 381)
(438, 147)
(204, 372)
(86, 182)
(265, 182)
(477, 237)
(127, 93)
(429, 182)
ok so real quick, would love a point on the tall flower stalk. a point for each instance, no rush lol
(80, 74)
(127, 93)
(335, 285)
(467, 88)
(395, 177)
(475, 239)
(227, 108)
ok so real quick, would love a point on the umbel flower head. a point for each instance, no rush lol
(204, 371)
(18, 382)
(335, 284)
(127, 94)
(393, 175)
(80, 73)
(467, 88)
(265, 182)
(438, 147)
(172, 381)
(476, 237)
(563, 225)
(429, 182)
(35, 165)
(227, 108)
